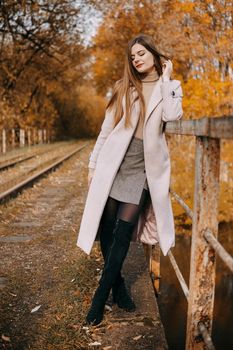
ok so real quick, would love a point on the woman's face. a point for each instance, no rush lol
(142, 59)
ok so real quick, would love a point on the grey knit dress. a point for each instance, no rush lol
(131, 179)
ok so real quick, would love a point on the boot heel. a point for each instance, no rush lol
(122, 298)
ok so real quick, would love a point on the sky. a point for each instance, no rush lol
(91, 19)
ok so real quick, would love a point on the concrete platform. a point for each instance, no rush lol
(141, 329)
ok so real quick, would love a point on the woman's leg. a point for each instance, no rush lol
(128, 213)
(118, 210)
(122, 233)
(119, 292)
(107, 225)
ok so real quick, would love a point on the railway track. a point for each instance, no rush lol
(38, 229)
(15, 160)
(29, 180)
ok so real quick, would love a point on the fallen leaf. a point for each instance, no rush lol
(5, 338)
(77, 293)
(137, 337)
(35, 309)
(96, 343)
(76, 326)
(107, 347)
(108, 308)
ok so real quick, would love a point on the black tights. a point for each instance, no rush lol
(118, 210)
(125, 211)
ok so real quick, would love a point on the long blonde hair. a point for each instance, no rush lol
(132, 80)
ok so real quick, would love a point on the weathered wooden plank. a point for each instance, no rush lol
(202, 269)
(152, 254)
(155, 267)
(221, 127)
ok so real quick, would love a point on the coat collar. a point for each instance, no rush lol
(155, 99)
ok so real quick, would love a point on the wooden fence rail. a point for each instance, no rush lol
(205, 245)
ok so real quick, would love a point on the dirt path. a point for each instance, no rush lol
(41, 265)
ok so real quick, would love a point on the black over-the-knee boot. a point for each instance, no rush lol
(120, 294)
(117, 252)
(106, 235)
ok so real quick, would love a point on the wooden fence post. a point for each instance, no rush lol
(34, 136)
(48, 135)
(152, 254)
(13, 138)
(22, 137)
(201, 287)
(29, 137)
(3, 141)
(40, 136)
(155, 267)
(44, 136)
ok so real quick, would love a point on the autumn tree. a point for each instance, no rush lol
(42, 60)
(195, 34)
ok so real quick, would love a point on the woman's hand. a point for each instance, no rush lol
(90, 176)
(167, 70)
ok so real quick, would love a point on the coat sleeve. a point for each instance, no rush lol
(106, 128)
(172, 100)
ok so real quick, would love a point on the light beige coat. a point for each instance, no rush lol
(165, 105)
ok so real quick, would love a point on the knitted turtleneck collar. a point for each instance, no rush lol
(150, 77)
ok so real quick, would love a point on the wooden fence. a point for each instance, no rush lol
(13, 138)
(205, 244)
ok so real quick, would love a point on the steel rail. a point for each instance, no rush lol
(222, 253)
(14, 162)
(7, 194)
(18, 159)
(206, 336)
(179, 274)
(185, 206)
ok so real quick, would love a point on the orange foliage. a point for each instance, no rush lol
(197, 35)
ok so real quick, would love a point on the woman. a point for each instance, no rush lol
(129, 170)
